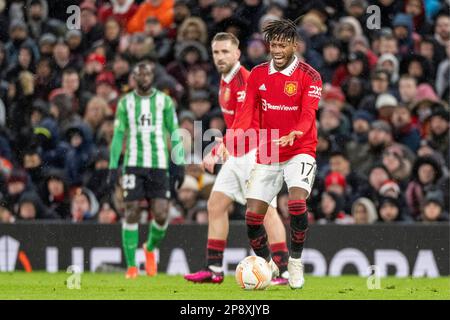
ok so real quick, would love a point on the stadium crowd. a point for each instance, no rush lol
(383, 151)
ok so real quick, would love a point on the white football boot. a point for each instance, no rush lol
(295, 269)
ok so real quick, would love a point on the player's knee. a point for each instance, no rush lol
(257, 206)
(161, 211)
(160, 217)
(215, 209)
(296, 193)
(132, 212)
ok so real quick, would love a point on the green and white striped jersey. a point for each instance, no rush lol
(147, 123)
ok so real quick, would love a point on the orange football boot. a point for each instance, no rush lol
(132, 273)
(150, 262)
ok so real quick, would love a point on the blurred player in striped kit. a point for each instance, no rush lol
(147, 117)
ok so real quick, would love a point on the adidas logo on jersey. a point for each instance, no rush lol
(306, 180)
(263, 87)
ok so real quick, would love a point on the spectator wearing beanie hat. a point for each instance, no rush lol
(385, 105)
(335, 97)
(106, 89)
(94, 65)
(335, 182)
(361, 126)
(433, 209)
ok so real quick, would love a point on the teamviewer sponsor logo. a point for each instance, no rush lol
(266, 105)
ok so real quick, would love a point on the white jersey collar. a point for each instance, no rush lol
(230, 75)
(286, 71)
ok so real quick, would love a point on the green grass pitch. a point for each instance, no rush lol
(40, 285)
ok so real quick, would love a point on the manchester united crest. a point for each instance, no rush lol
(290, 88)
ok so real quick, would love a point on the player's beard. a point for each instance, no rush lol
(224, 68)
(144, 87)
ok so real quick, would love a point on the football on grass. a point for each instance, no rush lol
(253, 273)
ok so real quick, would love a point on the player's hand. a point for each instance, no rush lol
(209, 161)
(288, 139)
(222, 151)
(111, 180)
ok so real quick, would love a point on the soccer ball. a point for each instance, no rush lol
(253, 273)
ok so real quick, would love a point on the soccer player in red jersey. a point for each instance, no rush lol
(232, 178)
(285, 92)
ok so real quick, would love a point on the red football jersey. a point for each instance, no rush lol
(284, 101)
(231, 97)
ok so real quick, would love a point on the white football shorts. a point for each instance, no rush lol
(266, 181)
(233, 178)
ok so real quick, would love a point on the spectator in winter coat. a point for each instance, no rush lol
(361, 126)
(80, 139)
(365, 156)
(161, 9)
(331, 209)
(398, 164)
(84, 205)
(403, 31)
(314, 29)
(405, 132)
(19, 36)
(54, 192)
(390, 210)
(425, 175)
(90, 26)
(364, 211)
(332, 58)
(379, 84)
(389, 63)
(346, 29)
(30, 207)
(439, 132)
(433, 209)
